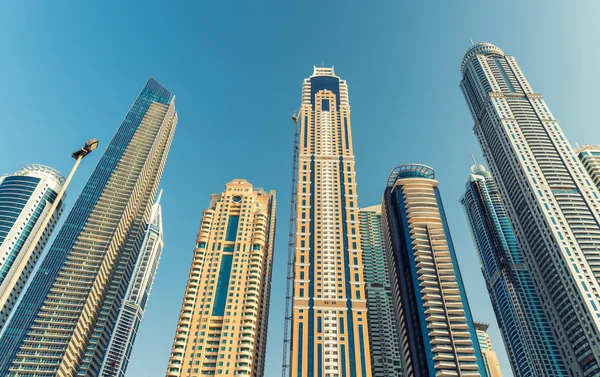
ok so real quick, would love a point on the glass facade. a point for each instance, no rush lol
(385, 347)
(435, 326)
(65, 318)
(25, 198)
(552, 202)
(523, 323)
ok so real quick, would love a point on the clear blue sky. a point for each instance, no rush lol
(70, 70)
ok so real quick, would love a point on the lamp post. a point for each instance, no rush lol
(78, 156)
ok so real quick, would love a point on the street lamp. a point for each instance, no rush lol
(78, 156)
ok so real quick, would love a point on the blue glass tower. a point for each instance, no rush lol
(63, 323)
(25, 198)
(531, 345)
(436, 330)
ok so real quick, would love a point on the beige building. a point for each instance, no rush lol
(222, 327)
(490, 359)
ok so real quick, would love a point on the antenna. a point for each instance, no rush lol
(472, 44)
(577, 145)
(473, 158)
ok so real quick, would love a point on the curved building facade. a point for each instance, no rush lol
(436, 329)
(222, 328)
(330, 335)
(25, 199)
(553, 205)
(529, 340)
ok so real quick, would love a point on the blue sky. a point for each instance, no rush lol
(70, 70)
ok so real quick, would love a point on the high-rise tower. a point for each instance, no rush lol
(222, 327)
(527, 333)
(490, 359)
(383, 335)
(436, 329)
(329, 314)
(134, 305)
(63, 324)
(25, 198)
(552, 203)
(590, 158)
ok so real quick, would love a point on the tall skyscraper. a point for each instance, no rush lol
(329, 315)
(134, 305)
(25, 198)
(63, 324)
(590, 158)
(552, 202)
(383, 335)
(222, 327)
(490, 359)
(527, 333)
(436, 329)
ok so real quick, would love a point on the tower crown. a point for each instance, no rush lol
(479, 49)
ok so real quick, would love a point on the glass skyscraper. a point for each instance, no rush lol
(329, 315)
(553, 205)
(25, 199)
(63, 324)
(530, 342)
(436, 329)
(490, 359)
(383, 335)
(134, 305)
(222, 328)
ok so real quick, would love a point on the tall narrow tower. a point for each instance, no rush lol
(329, 315)
(222, 327)
(25, 198)
(528, 336)
(63, 324)
(383, 334)
(553, 205)
(132, 310)
(490, 359)
(436, 329)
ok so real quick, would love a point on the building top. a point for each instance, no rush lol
(323, 71)
(410, 171)
(482, 326)
(483, 48)
(587, 148)
(376, 208)
(39, 171)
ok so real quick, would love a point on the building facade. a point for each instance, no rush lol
(222, 327)
(329, 313)
(589, 155)
(436, 329)
(551, 200)
(527, 334)
(63, 324)
(490, 359)
(25, 199)
(383, 335)
(132, 310)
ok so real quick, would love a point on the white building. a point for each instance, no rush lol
(25, 198)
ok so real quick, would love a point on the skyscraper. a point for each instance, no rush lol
(524, 325)
(383, 335)
(134, 304)
(63, 324)
(329, 314)
(436, 330)
(590, 158)
(222, 327)
(25, 198)
(490, 359)
(551, 200)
